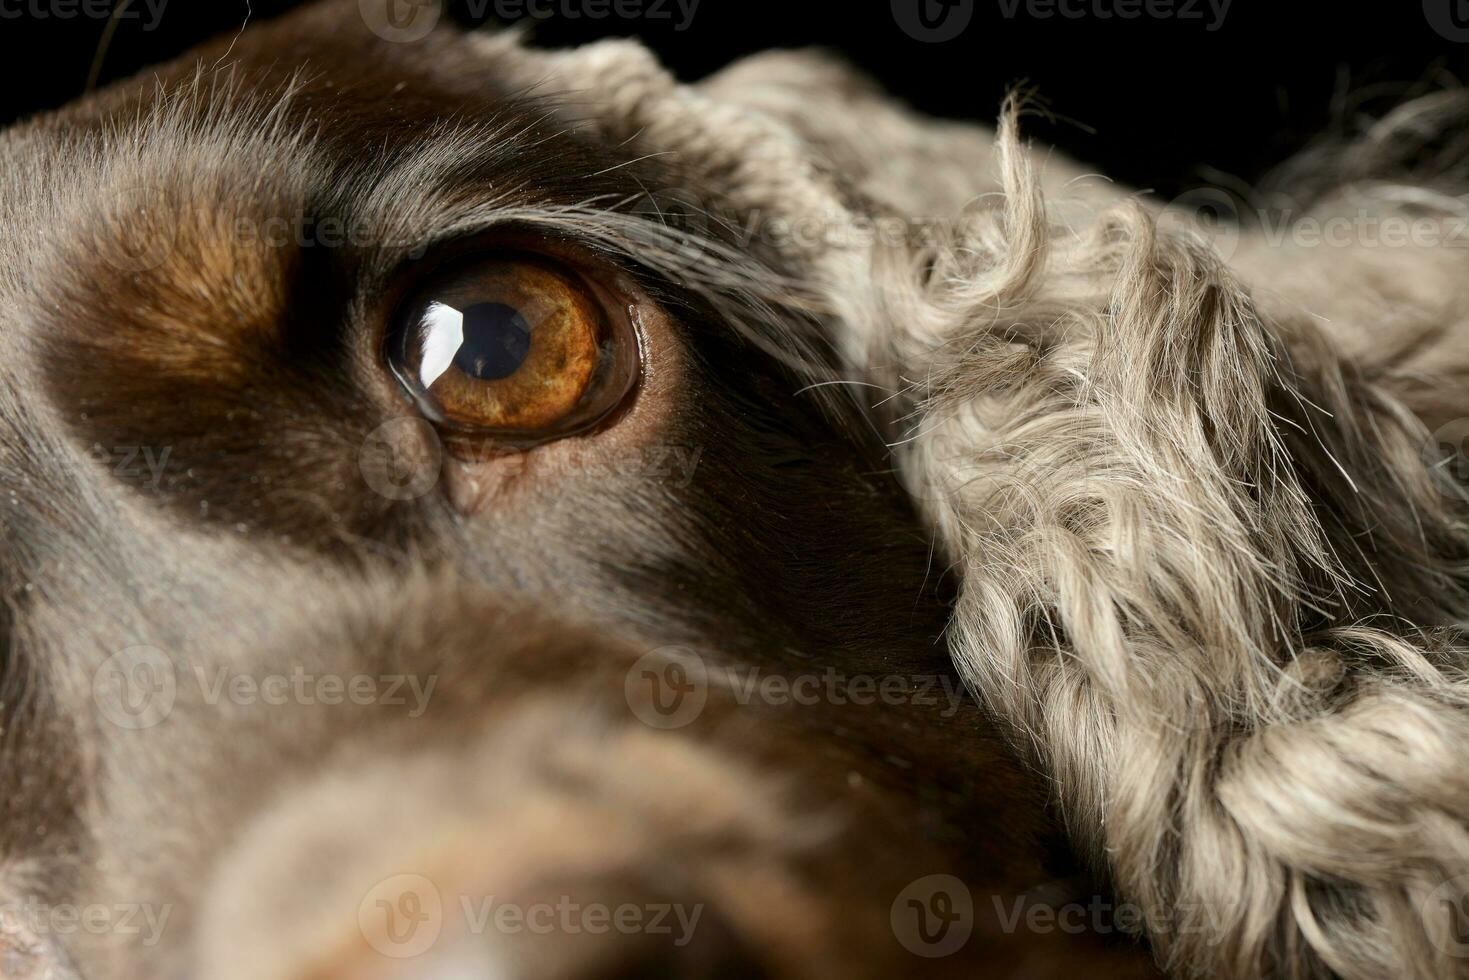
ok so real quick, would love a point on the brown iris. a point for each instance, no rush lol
(510, 346)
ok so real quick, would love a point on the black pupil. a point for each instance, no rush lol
(496, 342)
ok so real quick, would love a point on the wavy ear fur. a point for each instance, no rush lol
(1211, 570)
(1212, 564)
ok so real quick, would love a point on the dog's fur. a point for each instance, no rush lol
(1209, 517)
(1208, 569)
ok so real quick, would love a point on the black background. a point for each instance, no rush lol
(1158, 102)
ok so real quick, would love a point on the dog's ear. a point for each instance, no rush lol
(1211, 566)
(1208, 565)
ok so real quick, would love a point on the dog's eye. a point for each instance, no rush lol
(515, 347)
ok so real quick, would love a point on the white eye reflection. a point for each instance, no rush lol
(442, 329)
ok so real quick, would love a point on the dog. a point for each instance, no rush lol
(480, 511)
(311, 666)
